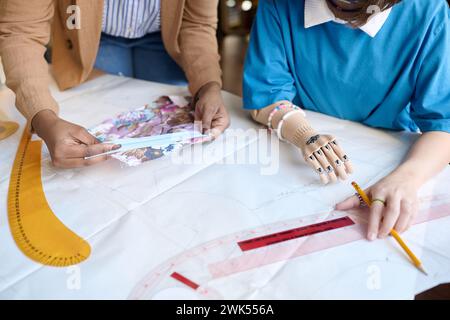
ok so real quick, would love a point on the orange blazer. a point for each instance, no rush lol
(188, 30)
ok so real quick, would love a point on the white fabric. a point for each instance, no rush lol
(138, 219)
(317, 12)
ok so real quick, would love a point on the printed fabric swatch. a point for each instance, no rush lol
(166, 115)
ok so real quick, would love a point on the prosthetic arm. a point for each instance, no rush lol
(322, 152)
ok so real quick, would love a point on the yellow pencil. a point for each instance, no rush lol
(393, 233)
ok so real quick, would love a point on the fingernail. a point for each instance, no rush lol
(372, 236)
(215, 132)
(116, 147)
(382, 235)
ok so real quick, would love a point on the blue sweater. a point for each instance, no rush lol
(398, 80)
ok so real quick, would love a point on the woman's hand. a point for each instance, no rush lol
(210, 109)
(399, 189)
(68, 143)
(394, 204)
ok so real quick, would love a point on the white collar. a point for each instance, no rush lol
(317, 12)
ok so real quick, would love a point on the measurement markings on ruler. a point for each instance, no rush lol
(36, 230)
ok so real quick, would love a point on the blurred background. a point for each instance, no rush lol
(235, 21)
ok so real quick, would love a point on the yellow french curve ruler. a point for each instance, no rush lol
(35, 228)
(7, 128)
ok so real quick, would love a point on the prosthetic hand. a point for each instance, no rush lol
(321, 152)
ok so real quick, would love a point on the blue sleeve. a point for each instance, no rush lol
(267, 77)
(430, 106)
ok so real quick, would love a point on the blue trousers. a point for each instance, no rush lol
(144, 58)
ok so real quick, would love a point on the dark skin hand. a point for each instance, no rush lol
(67, 142)
(210, 110)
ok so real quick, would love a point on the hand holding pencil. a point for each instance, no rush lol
(395, 205)
(364, 199)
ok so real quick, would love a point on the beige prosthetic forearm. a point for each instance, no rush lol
(320, 151)
(296, 129)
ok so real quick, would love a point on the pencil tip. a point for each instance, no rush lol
(421, 268)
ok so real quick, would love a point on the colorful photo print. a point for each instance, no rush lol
(167, 114)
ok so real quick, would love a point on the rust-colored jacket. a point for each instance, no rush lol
(188, 30)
